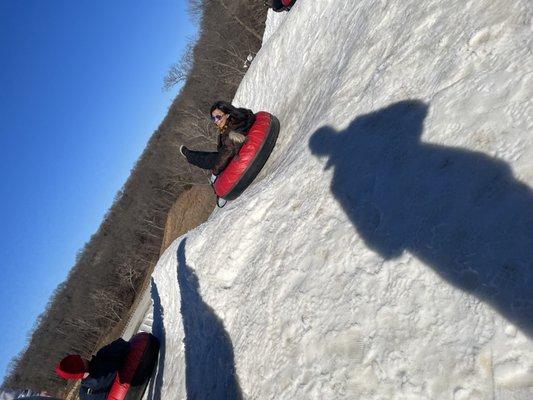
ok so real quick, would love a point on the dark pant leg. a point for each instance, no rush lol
(202, 159)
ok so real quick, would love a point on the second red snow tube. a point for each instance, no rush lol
(133, 377)
(252, 156)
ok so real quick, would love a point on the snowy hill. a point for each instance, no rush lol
(386, 250)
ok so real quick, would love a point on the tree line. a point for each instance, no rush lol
(94, 301)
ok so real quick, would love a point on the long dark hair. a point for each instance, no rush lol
(239, 120)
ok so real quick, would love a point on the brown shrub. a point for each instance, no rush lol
(192, 208)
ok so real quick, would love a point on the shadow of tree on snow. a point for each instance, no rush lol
(461, 212)
(209, 358)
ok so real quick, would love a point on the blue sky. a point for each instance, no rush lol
(80, 95)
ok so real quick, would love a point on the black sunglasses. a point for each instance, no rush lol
(216, 118)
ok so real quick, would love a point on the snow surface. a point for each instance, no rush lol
(385, 251)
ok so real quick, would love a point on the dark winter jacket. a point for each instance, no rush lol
(103, 368)
(230, 142)
(228, 146)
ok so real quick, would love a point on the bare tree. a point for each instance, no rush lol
(179, 71)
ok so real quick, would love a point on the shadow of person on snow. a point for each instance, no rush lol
(459, 211)
(158, 330)
(209, 358)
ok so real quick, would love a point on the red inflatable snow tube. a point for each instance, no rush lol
(133, 377)
(288, 3)
(252, 156)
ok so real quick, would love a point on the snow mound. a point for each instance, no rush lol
(386, 249)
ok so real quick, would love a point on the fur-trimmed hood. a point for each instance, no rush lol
(236, 137)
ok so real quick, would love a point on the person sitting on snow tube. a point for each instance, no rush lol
(233, 124)
(244, 145)
(119, 371)
(280, 5)
(99, 372)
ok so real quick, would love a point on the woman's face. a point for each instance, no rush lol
(219, 118)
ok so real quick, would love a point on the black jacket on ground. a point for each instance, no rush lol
(103, 369)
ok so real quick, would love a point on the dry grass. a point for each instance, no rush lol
(191, 209)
